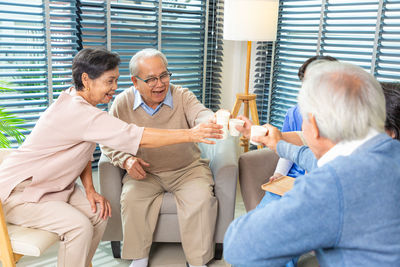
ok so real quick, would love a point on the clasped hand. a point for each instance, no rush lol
(134, 167)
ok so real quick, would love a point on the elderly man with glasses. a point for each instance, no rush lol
(154, 102)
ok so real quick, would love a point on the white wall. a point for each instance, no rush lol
(234, 72)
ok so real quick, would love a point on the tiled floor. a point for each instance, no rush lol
(161, 255)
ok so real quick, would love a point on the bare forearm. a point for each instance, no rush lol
(200, 133)
(86, 177)
(161, 137)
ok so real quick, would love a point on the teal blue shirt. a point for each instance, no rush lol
(140, 103)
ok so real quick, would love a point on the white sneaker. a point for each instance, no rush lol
(143, 262)
(189, 265)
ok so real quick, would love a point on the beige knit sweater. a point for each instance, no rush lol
(186, 113)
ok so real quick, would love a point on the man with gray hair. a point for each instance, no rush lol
(347, 208)
(154, 102)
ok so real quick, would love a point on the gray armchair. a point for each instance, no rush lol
(223, 163)
(255, 167)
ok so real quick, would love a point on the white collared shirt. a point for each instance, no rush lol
(345, 148)
(139, 102)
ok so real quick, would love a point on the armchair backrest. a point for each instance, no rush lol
(220, 154)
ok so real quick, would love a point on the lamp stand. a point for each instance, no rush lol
(249, 100)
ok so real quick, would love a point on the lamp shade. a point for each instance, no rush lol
(250, 20)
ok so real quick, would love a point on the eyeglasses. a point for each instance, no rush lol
(151, 82)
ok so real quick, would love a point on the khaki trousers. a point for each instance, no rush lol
(80, 229)
(196, 206)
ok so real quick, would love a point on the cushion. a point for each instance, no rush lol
(168, 205)
(29, 241)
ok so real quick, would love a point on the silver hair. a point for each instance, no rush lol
(145, 53)
(345, 100)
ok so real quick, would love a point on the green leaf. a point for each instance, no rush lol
(9, 126)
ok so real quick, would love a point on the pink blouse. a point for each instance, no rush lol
(60, 146)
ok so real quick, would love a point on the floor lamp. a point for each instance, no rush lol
(249, 20)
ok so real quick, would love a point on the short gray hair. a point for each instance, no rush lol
(144, 53)
(345, 100)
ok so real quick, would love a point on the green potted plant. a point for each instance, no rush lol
(9, 124)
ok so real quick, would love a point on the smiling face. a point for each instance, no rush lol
(101, 89)
(149, 68)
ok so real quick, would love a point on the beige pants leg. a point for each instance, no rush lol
(197, 214)
(197, 211)
(80, 229)
(140, 205)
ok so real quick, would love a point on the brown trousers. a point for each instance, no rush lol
(80, 229)
(196, 206)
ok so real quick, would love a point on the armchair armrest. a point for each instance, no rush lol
(224, 166)
(255, 167)
(110, 179)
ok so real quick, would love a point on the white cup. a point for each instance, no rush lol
(225, 131)
(232, 126)
(223, 119)
(257, 130)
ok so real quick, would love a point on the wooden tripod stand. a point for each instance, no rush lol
(249, 100)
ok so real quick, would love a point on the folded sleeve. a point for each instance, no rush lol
(283, 166)
(301, 155)
(195, 111)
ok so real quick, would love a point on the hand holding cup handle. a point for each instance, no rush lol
(233, 131)
(271, 138)
(246, 128)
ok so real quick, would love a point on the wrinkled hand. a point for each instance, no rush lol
(271, 139)
(275, 176)
(105, 207)
(134, 167)
(245, 130)
(200, 132)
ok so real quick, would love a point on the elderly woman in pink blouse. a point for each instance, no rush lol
(37, 182)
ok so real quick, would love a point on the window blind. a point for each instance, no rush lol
(386, 67)
(363, 32)
(297, 38)
(134, 26)
(349, 31)
(182, 41)
(262, 80)
(212, 86)
(64, 43)
(176, 27)
(27, 43)
(39, 40)
(23, 60)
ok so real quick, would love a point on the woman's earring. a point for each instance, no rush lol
(88, 89)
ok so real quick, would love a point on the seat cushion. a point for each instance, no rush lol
(168, 205)
(29, 241)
